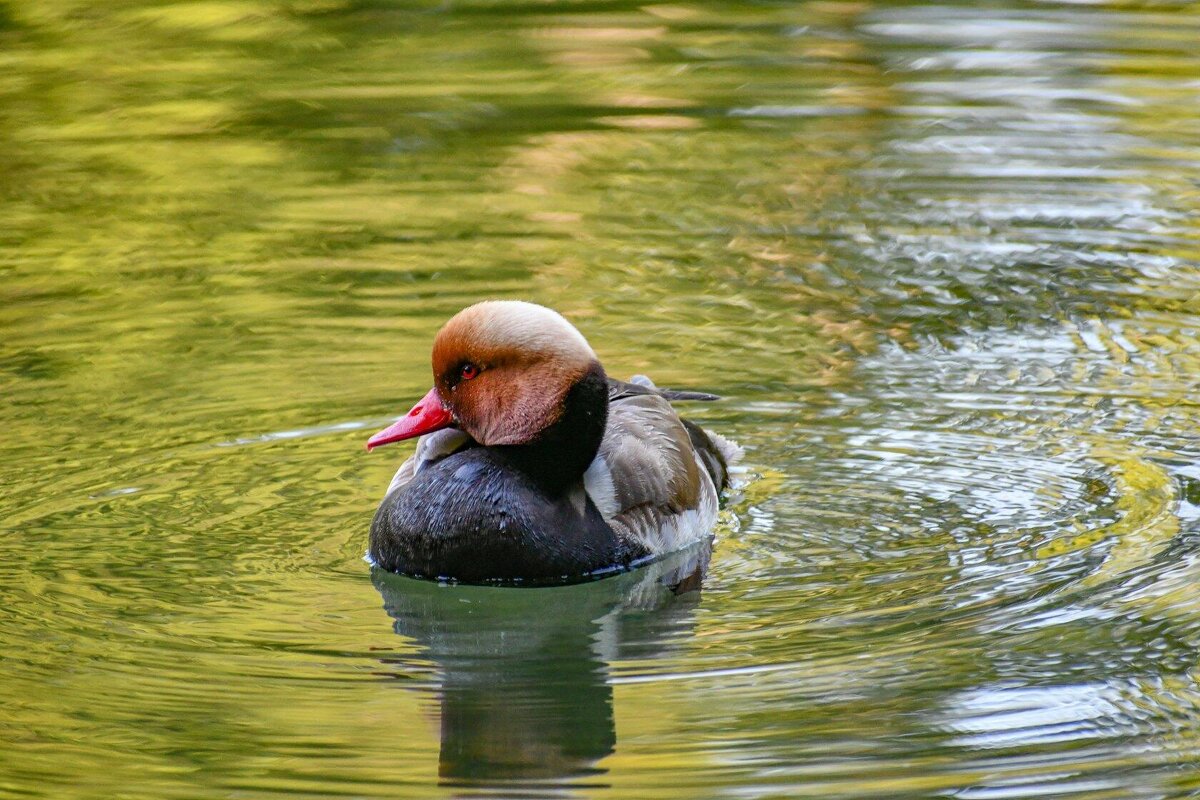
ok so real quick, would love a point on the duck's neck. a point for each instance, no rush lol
(559, 456)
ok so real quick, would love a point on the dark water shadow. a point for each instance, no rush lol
(523, 685)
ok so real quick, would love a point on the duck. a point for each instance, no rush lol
(533, 466)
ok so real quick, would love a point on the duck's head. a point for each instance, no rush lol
(501, 371)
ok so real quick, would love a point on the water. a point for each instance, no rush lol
(942, 260)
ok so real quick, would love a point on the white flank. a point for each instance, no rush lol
(598, 483)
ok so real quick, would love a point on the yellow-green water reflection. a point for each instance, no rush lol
(942, 260)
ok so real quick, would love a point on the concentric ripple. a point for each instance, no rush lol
(942, 260)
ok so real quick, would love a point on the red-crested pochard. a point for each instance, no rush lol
(533, 465)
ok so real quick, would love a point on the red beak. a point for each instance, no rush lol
(427, 416)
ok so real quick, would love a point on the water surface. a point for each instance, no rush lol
(943, 261)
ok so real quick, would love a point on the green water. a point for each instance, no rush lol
(942, 260)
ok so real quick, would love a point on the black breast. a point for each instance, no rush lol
(472, 517)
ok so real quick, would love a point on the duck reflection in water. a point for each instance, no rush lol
(523, 682)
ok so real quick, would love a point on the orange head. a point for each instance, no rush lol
(501, 370)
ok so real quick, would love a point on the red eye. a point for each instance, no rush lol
(469, 371)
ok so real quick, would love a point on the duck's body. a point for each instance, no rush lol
(551, 471)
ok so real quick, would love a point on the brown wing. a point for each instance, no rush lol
(646, 480)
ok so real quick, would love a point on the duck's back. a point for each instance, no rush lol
(657, 477)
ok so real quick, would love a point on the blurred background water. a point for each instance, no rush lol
(942, 259)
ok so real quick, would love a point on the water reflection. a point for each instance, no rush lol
(523, 681)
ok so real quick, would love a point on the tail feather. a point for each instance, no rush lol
(730, 450)
(715, 452)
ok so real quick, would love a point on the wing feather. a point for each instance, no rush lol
(647, 480)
